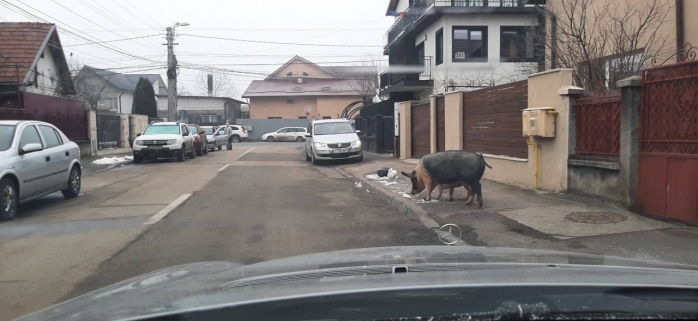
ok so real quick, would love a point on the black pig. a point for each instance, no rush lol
(448, 168)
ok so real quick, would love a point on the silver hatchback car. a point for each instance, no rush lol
(332, 139)
(36, 159)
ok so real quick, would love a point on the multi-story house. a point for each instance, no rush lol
(436, 46)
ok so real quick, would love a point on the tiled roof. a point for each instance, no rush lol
(125, 82)
(309, 87)
(20, 43)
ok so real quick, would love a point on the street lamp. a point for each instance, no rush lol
(172, 71)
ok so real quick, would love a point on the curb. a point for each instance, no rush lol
(403, 205)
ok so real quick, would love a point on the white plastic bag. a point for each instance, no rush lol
(392, 174)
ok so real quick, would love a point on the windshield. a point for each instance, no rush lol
(333, 128)
(7, 134)
(161, 129)
(546, 125)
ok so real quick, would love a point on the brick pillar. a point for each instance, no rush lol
(631, 94)
(405, 130)
(454, 120)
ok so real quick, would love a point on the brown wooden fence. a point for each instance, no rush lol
(492, 120)
(68, 115)
(598, 125)
(421, 129)
(440, 124)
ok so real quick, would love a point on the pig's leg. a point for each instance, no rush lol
(441, 190)
(450, 194)
(430, 187)
(470, 197)
(477, 188)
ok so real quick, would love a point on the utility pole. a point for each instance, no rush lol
(171, 76)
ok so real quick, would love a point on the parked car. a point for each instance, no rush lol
(286, 134)
(238, 134)
(225, 135)
(332, 139)
(214, 141)
(36, 159)
(199, 139)
(165, 139)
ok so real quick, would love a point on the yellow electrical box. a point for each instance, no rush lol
(539, 122)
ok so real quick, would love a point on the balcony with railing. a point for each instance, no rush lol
(410, 71)
(420, 10)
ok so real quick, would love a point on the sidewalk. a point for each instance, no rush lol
(515, 217)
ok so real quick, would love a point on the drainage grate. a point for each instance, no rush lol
(596, 218)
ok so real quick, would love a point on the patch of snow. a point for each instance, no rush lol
(422, 201)
(387, 183)
(358, 185)
(112, 160)
(367, 191)
(405, 195)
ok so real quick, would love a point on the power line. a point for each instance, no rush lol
(135, 32)
(134, 15)
(90, 21)
(107, 41)
(67, 32)
(145, 15)
(280, 43)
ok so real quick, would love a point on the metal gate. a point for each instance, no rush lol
(388, 135)
(108, 131)
(668, 174)
(421, 130)
(440, 124)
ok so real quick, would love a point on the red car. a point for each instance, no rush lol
(199, 139)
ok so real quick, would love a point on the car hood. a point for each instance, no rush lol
(158, 137)
(208, 284)
(338, 138)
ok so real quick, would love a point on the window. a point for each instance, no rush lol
(245, 115)
(300, 130)
(50, 136)
(290, 101)
(333, 128)
(273, 117)
(302, 117)
(622, 66)
(439, 46)
(468, 3)
(161, 129)
(516, 44)
(234, 128)
(282, 130)
(209, 118)
(326, 117)
(29, 136)
(185, 130)
(469, 44)
(7, 135)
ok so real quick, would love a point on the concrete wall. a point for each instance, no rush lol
(405, 110)
(139, 123)
(690, 27)
(319, 106)
(595, 181)
(125, 130)
(263, 126)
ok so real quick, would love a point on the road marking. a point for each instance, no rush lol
(223, 168)
(159, 215)
(249, 150)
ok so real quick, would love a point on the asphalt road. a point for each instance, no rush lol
(259, 202)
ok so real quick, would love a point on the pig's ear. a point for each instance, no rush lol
(408, 175)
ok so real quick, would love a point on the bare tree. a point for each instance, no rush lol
(364, 79)
(182, 90)
(89, 87)
(603, 40)
(223, 85)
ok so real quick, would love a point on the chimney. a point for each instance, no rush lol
(210, 85)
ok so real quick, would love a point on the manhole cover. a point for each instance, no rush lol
(596, 217)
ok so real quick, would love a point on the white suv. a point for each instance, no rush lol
(162, 140)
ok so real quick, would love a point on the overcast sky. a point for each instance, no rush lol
(354, 27)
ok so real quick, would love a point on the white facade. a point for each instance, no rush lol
(47, 75)
(461, 73)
